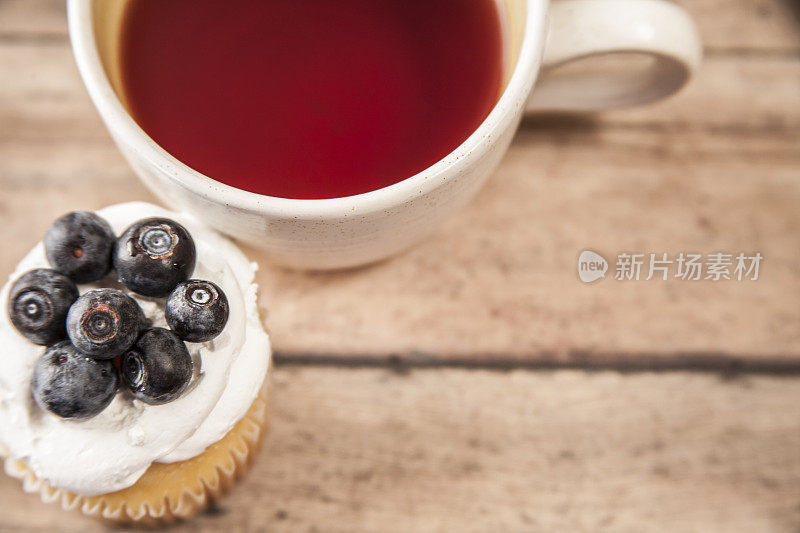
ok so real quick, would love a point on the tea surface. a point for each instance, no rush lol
(310, 98)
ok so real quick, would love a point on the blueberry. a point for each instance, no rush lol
(158, 368)
(71, 385)
(153, 255)
(38, 303)
(103, 323)
(197, 310)
(79, 246)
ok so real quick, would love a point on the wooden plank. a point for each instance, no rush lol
(42, 95)
(452, 450)
(42, 20)
(498, 281)
(745, 25)
(44, 98)
(725, 25)
(729, 92)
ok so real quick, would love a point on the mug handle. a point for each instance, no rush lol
(625, 53)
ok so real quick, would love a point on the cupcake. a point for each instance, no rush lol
(134, 365)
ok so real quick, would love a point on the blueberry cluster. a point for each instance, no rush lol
(100, 340)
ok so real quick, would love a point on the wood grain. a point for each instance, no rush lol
(747, 26)
(499, 280)
(453, 450)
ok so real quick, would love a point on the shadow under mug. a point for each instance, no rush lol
(586, 54)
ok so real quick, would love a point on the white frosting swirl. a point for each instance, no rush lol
(113, 450)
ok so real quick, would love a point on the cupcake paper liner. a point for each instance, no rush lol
(167, 491)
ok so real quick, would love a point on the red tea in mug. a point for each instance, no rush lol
(310, 98)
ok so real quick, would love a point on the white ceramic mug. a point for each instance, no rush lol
(540, 38)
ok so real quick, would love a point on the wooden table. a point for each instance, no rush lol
(474, 383)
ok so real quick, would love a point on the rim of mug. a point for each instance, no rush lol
(510, 104)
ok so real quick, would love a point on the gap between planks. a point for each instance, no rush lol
(705, 362)
(48, 39)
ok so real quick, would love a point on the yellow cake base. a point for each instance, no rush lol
(167, 491)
